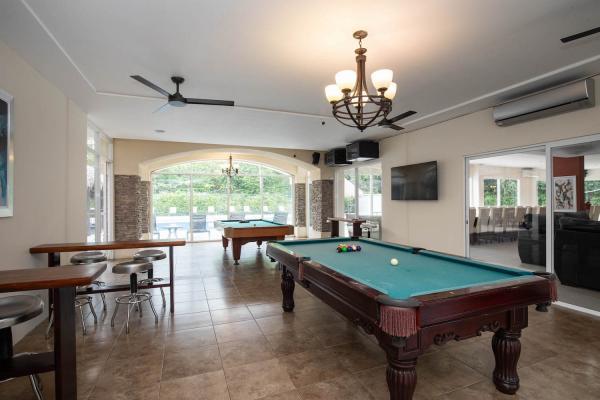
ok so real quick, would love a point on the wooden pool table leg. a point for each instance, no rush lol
(507, 349)
(236, 246)
(401, 376)
(258, 243)
(287, 289)
(225, 242)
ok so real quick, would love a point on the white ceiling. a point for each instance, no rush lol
(449, 59)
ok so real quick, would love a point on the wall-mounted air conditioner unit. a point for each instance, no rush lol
(549, 102)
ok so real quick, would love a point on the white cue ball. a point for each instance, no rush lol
(394, 261)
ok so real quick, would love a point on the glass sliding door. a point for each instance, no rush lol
(99, 179)
(171, 205)
(277, 191)
(360, 189)
(506, 212)
(209, 204)
(575, 194)
(188, 198)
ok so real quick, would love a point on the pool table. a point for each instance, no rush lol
(429, 298)
(252, 230)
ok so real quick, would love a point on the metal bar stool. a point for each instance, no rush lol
(86, 257)
(91, 257)
(150, 256)
(15, 310)
(134, 298)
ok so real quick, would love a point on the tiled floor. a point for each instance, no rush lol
(229, 339)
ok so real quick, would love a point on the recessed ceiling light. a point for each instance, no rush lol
(159, 131)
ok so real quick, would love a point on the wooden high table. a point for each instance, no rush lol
(356, 223)
(54, 250)
(63, 359)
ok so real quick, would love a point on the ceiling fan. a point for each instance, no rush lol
(176, 99)
(389, 123)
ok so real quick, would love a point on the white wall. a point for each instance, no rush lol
(50, 158)
(439, 225)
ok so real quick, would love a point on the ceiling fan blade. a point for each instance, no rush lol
(151, 85)
(401, 116)
(394, 127)
(161, 108)
(210, 102)
(580, 35)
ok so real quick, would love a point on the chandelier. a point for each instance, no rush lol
(230, 171)
(352, 103)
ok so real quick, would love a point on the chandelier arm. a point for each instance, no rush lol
(346, 104)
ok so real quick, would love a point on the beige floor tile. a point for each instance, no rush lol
(359, 355)
(190, 321)
(345, 387)
(228, 315)
(191, 362)
(256, 380)
(312, 366)
(266, 310)
(293, 395)
(284, 322)
(247, 351)
(208, 386)
(439, 373)
(293, 342)
(190, 339)
(237, 331)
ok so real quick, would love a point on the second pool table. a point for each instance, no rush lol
(241, 232)
(428, 298)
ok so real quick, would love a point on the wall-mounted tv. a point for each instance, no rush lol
(415, 182)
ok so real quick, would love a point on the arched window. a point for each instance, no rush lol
(187, 198)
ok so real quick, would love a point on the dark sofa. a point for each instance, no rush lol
(577, 253)
(576, 247)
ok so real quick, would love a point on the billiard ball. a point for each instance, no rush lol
(394, 261)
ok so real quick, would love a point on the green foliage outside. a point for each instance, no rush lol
(508, 192)
(592, 192)
(209, 188)
(490, 192)
(509, 189)
(541, 193)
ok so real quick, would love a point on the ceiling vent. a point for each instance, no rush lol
(573, 96)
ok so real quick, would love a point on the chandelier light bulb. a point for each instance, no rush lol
(390, 93)
(333, 93)
(382, 78)
(346, 79)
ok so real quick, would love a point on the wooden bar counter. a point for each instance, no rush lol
(62, 281)
(54, 250)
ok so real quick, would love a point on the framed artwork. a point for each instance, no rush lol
(565, 194)
(6, 155)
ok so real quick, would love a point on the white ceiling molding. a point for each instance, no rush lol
(256, 58)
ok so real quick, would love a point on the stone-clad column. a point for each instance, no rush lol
(144, 207)
(321, 204)
(300, 205)
(127, 216)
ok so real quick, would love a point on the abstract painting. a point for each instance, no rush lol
(6, 155)
(565, 194)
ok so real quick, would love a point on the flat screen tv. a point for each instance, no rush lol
(415, 182)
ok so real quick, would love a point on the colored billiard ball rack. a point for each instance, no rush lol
(347, 248)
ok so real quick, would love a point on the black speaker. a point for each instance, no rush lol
(336, 157)
(316, 158)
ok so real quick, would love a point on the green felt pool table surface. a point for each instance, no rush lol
(252, 223)
(416, 274)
